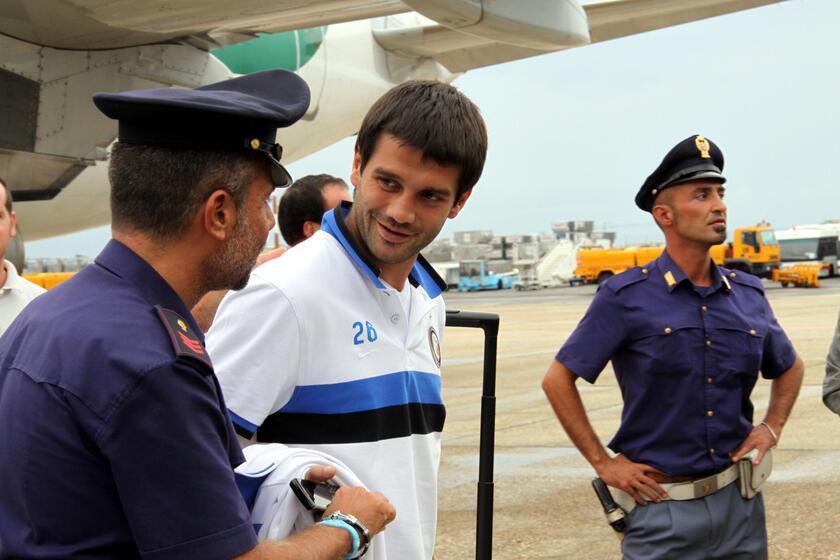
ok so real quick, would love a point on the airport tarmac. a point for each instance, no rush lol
(544, 504)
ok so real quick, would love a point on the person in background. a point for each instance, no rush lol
(831, 384)
(304, 203)
(15, 292)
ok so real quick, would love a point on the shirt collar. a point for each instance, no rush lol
(121, 261)
(422, 274)
(674, 276)
(13, 279)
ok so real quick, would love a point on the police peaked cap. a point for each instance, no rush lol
(693, 159)
(242, 113)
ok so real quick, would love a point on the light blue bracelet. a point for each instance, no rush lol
(339, 524)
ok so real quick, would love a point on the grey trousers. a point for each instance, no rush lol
(723, 526)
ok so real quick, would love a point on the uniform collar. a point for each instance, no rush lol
(13, 279)
(673, 275)
(422, 274)
(121, 261)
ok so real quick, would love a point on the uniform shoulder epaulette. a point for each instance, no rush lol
(743, 278)
(184, 341)
(627, 278)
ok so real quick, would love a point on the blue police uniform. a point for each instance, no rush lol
(686, 359)
(116, 440)
(116, 437)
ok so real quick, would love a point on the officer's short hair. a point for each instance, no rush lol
(303, 202)
(8, 195)
(434, 118)
(157, 190)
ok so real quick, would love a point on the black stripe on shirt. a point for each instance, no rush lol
(353, 427)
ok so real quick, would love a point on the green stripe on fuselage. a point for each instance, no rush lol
(272, 51)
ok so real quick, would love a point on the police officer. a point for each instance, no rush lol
(116, 440)
(687, 339)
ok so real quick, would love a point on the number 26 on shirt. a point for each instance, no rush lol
(363, 333)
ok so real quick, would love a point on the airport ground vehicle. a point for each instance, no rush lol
(753, 249)
(475, 276)
(48, 280)
(812, 244)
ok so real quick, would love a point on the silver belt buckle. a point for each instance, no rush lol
(705, 486)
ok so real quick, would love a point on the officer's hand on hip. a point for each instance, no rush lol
(372, 509)
(760, 438)
(619, 472)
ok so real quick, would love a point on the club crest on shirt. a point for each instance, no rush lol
(434, 345)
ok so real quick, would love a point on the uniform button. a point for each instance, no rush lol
(708, 342)
(732, 275)
(709, 413)
(709, 380)
(704, 308)
(752, 332)
(644, 271)
(667, 330)
(395, 318)
(712, 450)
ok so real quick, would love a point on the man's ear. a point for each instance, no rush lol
(459, 204)
(13, 223)
(356, 175)
(219, 214)
(663, 214)
(309, 228)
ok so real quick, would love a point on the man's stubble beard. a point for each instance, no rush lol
(366, 225)
(230, 268)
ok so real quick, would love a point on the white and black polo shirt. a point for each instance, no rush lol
(318, 352)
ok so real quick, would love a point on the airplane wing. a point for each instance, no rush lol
(113, 24)
(459, 51)
(509, 30)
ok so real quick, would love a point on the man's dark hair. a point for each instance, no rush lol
(434, 118)
(157, 191)
(8, 195)
(303, 202)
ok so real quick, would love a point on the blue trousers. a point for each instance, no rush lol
(723, 526)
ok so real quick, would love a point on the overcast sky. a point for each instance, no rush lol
(574, 134)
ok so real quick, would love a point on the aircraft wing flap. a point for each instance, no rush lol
(457, 51)
(619, 18)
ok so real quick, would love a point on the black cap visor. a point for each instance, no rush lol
(693, 174)
(273, 151)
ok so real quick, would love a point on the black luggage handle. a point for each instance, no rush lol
(489, 323)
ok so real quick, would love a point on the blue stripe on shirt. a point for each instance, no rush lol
(392, 389)
(239, 421)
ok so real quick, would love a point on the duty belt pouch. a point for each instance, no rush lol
(752, 477)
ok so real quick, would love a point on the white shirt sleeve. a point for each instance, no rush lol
(254, 344)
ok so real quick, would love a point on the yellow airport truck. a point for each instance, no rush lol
(753, 249)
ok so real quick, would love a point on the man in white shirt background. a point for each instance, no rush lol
(15, 292)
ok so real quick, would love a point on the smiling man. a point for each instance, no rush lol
(336, 346)
(687, 340)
